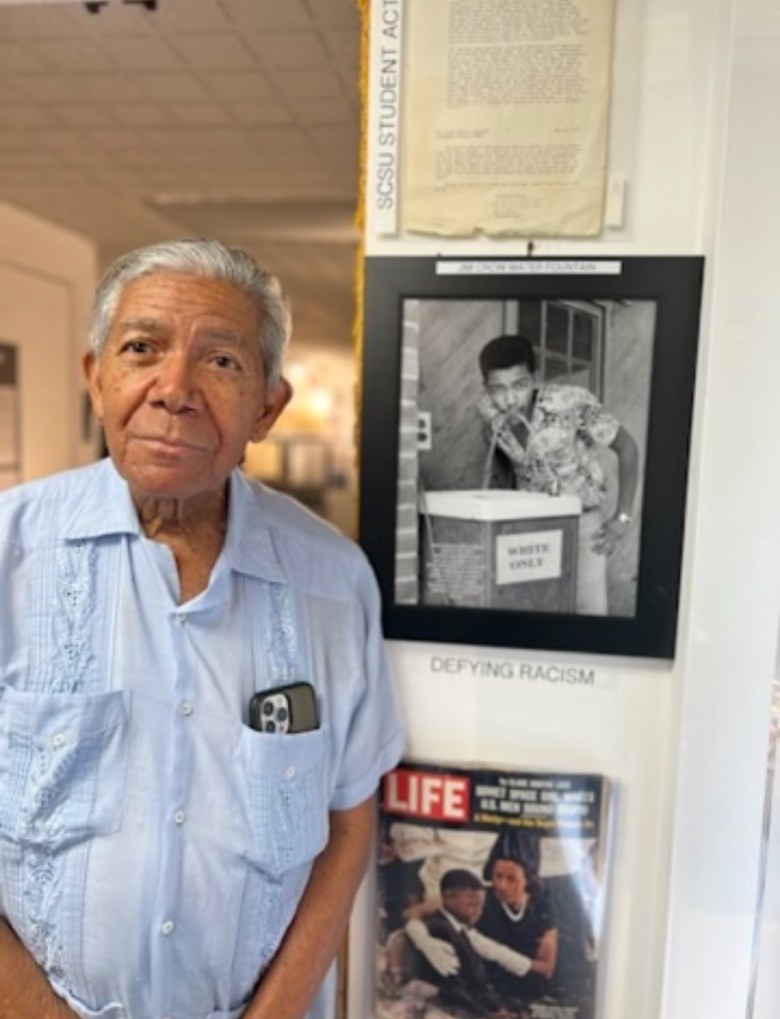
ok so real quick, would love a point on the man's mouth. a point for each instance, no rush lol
(173, 444)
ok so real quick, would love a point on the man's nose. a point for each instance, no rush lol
(175, 384)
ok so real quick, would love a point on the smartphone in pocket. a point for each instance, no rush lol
(288, 708)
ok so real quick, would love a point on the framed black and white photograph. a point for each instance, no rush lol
(524, 448)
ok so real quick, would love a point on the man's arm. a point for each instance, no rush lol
(24, 990)
(614, 530)
(312, 939)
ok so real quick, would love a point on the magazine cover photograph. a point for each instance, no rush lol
(490, 893)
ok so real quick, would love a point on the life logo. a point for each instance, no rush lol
(431, 795)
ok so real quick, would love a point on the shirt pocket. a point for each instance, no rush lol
(62, 766)
(288, 795)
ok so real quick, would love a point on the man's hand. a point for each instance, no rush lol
(439, 953)
(610, 534)
(291, 981)
(25, 992)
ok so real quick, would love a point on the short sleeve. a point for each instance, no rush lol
(595, 422)
(375, 735)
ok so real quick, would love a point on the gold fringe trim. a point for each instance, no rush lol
(364, 8)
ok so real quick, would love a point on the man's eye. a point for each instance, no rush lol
(135, 347)
(226, 361)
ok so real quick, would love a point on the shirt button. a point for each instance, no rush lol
(167, 927)
(290, 771)
(185, 708)
(181, 618)
(58, 740)
(179, 817)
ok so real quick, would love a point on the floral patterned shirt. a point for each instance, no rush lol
(557, 456)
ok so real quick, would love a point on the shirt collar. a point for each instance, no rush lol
(106, 507)
(454, 921)
(249, 545)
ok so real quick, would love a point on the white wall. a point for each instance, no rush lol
(47, 277)
(727, 660)
(694, 131)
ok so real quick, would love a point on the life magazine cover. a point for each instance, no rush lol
(491, 887)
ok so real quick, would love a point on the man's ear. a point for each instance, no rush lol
(90, 364)
(276, 399)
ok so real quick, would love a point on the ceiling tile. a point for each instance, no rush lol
(59, 138)
(24, 115)
(71, 55)
(90, 159)
(191, 139)
(147, 180)
(278, 140)
(16, 58)
(320, 176)
(240, 85)
(144, 156)
(301, 49)
(343, 50)
(336, 12)
(259, 113)
(113, 87)
(116, 139)
(115, 19)
(166, 88)
(267, 13)
(140, 53)
(10, 158)
(214, 52)
(35, 22)
(66, 175)
(13, 138)
(185, 16)
(81, 114)
(99, 213)
(7, 93)
(199, 113)
(45, 87)
(339, 160)
(314, 84)
(323, 111)
(342, 139)
(141, 114)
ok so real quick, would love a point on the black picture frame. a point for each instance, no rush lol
(646, 313)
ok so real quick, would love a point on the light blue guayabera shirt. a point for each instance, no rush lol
(153, 848)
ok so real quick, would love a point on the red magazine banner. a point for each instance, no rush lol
(491, 887)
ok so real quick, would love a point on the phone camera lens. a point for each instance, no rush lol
(268, 708)
(281, 715)
(270, 726)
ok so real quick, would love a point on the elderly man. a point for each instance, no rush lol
(159, 855)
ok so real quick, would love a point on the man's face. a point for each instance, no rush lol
(509, 883)
(465, 904)
(511, 389)
(180, 386)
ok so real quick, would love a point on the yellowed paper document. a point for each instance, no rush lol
(505, 112)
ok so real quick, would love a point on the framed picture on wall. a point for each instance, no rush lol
(524, 448)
